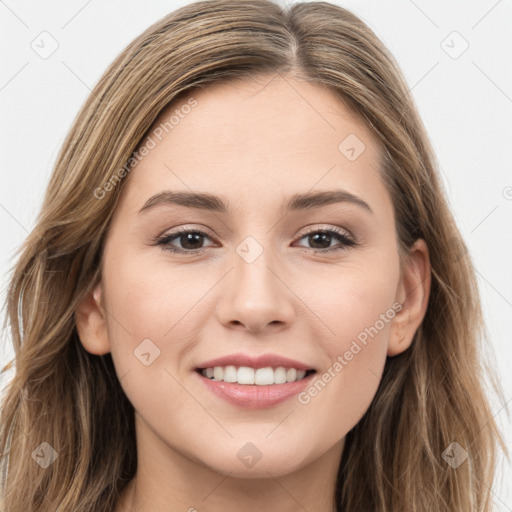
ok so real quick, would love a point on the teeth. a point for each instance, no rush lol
(280, 375)
(264, 376)
(260, 376)
(291, 375)
(230, 374)
(245, 375)
(218, 373)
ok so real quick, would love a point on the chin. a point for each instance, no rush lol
(249, 461)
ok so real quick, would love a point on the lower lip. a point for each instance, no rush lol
(253, 396)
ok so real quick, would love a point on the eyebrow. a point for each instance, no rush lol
(209, 202)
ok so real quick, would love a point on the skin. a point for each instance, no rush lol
(254, 143)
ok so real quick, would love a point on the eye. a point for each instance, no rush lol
(322, 238)
(189, 239)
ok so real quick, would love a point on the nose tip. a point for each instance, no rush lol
(254, 298)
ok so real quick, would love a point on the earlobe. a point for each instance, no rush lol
(90, 320)
(413, 293)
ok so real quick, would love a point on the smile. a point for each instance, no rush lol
(261, 376)
(255, 396)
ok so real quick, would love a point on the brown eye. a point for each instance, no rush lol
(321, 240)
(188, 240)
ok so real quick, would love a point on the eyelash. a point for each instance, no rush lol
(164, 240)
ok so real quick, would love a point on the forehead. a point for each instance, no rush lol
(258, 140)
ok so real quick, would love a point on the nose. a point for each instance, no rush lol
(255, 296)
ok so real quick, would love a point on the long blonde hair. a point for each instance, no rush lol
(63, 401)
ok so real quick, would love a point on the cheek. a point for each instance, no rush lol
(354, 302)
(151, 325)
(152, 315)
(150, 300)
(358, 307)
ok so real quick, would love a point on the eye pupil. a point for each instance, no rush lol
(315, 238)
(189, 237)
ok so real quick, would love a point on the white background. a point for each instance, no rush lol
(465, 102)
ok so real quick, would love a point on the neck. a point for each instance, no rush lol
(169, 478)
(310, 488)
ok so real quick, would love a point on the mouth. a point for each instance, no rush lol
(248, 376)
(254, 388)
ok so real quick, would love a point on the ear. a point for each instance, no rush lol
(412, 293)
(90, 319)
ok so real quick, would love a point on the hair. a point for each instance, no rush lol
(429, 396)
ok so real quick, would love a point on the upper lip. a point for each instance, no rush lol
(254, 361)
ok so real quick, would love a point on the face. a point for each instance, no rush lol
(264, 269)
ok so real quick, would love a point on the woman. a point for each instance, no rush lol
(245, 287)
